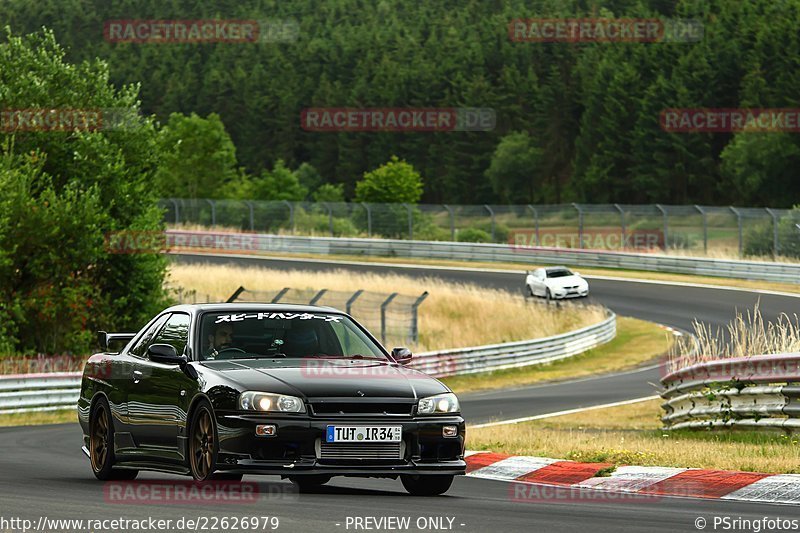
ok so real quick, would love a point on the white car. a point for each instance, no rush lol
(556, 283)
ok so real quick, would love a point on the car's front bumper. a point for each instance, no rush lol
(295, 448)
(561, 295)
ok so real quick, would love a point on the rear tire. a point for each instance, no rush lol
(101, 445)
(311, 483)
(529, 291)
(430, 485)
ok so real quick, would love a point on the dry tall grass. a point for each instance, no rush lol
(453, 315)
(747, 335)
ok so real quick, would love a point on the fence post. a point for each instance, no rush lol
(452, 222)
(622, 222)
(739, 223)
(414, 333)
(535, 222)
(775, 247)
(175, 203)
(666, 225)
(236, 293)
(491, 213)
(352, 300)
(368, 209)
(213, 212)
(330, 216)
(317, 296)
(249, 204)
(705, 227)
(580, 225)
(384, 305)
(410, 223)
(280, 295)
(291, 214)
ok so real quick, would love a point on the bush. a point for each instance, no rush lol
(473, 235)
(759, 241)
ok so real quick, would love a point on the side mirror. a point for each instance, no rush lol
(402, 355)
(166, 354)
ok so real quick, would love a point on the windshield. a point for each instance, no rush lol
(560, 273)
(248, 334)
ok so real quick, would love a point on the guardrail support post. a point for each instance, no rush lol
(280, 295)
(410, 222)
(622, 223)
(352, 300)
(368, 209)
(535, 223)
(291, 215)
(213, 212)
(414, 334)
(580, 225)
(317, 296)
(384, 305)
(452, 222)
(775, 243)
(705, 227)
(739, 224)
(491, 214)
(665, 216)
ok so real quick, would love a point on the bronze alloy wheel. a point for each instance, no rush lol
(202, 444)
(98, 440)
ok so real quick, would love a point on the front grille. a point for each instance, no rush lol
(361, 408)
(360, 450)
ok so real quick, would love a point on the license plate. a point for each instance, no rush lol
(364, 434)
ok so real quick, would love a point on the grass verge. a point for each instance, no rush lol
(631, 435)
(636, 343)
(38, 418)
(453, 316)
(619, 273)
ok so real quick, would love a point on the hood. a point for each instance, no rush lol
(566, 281)
(317, 378)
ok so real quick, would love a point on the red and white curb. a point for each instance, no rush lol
(640, 480)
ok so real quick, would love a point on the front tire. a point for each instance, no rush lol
(101, 445)
(548, 295)
(203, 446)
(430, 485)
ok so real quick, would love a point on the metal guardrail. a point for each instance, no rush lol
(748, 392)
(23, 393)
(226, 242)
(493, 357)
(47, 392)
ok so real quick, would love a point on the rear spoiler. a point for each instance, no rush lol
(105, 339)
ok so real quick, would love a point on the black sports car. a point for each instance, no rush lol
(219, 390)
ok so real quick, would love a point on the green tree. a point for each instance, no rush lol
(394, 182)
(515, 169)
(62, 190)
(281, 183)
(198, 157)
(329, 193)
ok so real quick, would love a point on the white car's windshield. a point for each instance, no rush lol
(560, 273)
(249, 334)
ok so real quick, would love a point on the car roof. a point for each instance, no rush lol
(251, 306)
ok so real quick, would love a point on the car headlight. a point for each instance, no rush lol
(264, 401)
(441, 403)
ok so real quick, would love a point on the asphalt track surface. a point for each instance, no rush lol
(44, 474)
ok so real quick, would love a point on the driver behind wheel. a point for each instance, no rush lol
(220, 339)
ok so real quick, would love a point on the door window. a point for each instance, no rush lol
(174, 333)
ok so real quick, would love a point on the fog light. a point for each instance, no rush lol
(266, 430)
(450, 431)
